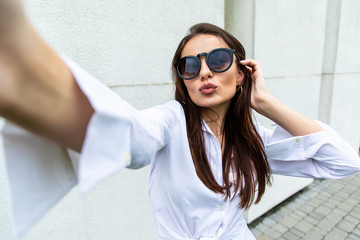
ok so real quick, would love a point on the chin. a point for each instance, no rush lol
(207, 104)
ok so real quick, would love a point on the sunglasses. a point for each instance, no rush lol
(218, 60)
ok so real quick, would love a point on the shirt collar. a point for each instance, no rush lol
(205, 127)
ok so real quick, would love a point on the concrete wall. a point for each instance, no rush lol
(309, 54)
(345, 101)
(128, 45)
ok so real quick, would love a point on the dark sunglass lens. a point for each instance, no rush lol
(188, 67)
(219, 60)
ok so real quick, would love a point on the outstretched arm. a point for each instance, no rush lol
(37, 90)
(321, 155)
(267, 105)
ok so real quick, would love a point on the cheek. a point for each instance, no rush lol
(230, 82)
(230, 85)
(190, 87)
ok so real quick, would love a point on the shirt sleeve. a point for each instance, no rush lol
(319, 155)
(41, 172)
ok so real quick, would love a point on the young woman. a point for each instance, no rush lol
(209, 160)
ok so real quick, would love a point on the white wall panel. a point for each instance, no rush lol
(345, 111)
(289, 36)
(349, 37)
(345, 102)
(142, 97)
(301, 93)
(124, 42)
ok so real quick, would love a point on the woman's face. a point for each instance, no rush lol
(221, 87)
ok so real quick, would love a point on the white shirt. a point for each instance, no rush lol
(120, 136)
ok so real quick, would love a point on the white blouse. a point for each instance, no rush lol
(41, 172)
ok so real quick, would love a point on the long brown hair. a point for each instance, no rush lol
(244, 152)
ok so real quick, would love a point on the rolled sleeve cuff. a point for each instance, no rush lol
(320, 155)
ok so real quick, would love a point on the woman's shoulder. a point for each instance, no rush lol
(170, 111)
(171, 107)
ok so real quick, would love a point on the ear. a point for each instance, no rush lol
(240, 78)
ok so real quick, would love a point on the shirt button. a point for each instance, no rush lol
(298, 140)
(221, 208)
(127, 158)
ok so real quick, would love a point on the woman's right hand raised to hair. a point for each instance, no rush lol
(259, 91)
(267, 105)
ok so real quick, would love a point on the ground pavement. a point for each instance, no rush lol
(325, 210)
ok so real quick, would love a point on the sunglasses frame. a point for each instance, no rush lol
(197, 58)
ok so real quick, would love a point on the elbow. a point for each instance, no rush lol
(353, 160)
(357, 165)
(348, 166)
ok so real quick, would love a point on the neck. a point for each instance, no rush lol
(214, 117)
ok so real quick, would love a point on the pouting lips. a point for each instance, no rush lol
(207, 88)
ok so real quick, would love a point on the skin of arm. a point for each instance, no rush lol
(37, 89)
(267, 105)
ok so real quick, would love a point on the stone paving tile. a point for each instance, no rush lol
(273, 233)
(280, 228)
(290, 236)
(264, 237)
(346, 226)
(307, 209)
(256, 232)
(311, 220)
(304, 226)
(313, 235)
(336, 234)
(352, 237)
(326, 224)
(325, 210)
(352, 219)
(299, 234)
(357, 231)
(331, 203)
(269, 221)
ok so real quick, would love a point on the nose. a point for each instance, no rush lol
(205, 72)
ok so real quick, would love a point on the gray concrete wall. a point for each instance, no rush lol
(345, 101)
(128, 45)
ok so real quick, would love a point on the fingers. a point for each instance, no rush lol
(249, 69)
(250, 63)
(252, 66)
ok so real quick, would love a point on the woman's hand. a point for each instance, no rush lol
(259, 93)
(267, 105)
(37, 89)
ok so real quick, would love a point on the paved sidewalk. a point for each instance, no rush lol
(325, 210)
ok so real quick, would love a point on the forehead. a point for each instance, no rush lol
(203, 43)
